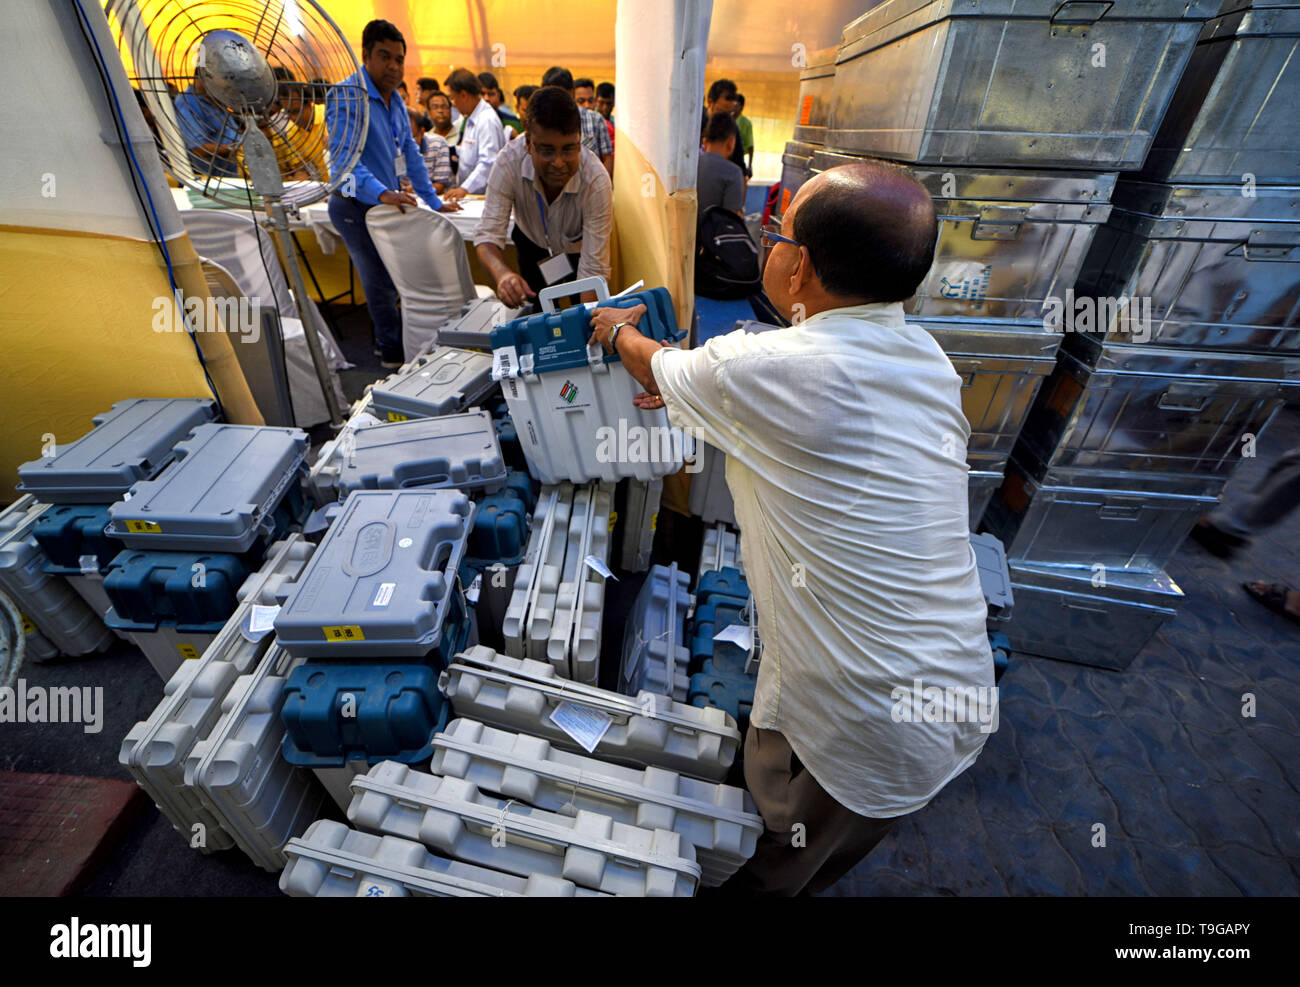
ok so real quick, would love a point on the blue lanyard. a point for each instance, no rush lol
(541, 206)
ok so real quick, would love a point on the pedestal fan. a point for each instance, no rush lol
(233, 90)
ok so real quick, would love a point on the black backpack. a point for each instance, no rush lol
(726, 257)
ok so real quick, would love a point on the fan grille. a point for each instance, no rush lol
(200, 139)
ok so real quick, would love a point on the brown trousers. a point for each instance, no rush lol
(810, 840)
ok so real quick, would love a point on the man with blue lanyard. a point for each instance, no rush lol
(390, 159)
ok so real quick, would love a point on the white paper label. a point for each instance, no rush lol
(555, 268)
(505, 363)
(737, 634)
(384, 594)
(89, 564)
(586, 726)
(471, 594)
(259, 622)
(374, 889)
(598, 566)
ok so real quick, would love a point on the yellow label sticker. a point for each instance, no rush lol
(28, 626)
(144, 527)
(654, 521)
(343, 632)
(557, 332)
(188, 651)
(613, 519)
(395, 416)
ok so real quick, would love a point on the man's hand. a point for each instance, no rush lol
(605, 319)
(455, 194)
(398, 199)
(513, 290)
(648, 401)
(449, 205)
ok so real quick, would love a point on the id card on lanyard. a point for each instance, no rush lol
(557, 266)
(399, 155)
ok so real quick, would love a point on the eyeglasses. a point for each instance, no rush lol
(769, 233)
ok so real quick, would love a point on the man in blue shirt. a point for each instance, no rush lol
(210, 133)
(390, 158)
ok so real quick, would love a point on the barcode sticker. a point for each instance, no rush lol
(384, 594)
(505, 363)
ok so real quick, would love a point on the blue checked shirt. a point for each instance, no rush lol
(389, 135)
(595, 135)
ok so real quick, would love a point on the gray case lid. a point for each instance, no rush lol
(995, 576)
(443, 382)
(381, 582)
(130, 442)
(450, 451)
(219, 493)
(473, 327)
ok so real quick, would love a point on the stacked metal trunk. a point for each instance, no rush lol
(1181, 340)
(1018, 119)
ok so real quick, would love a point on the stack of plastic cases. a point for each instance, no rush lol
(640, 518)
(452, 817)
(458, 451)
(721, 582)
(154, 750)
(995, 577)
(129, 443)
(556, 608)
(72, 536)
(377, 612)
(656, 656)
(719, 820)
(644, 730)
(721, 550)
(508, 437)
(710, 498)
(472, 329)
(261, 800)
(563, 393)
(321, 482)
(720, 678)
(332, 861)
(61, 621)
(223, 493)
(442, 382)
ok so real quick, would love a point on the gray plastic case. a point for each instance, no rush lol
(380, 585)
(332, 861)
(443, 382)
(218, 495)
(458, 451)
(995, 575)
(720, 820)
(451, 816)
(656, 652)
(473, 327)
(129, 443)
(61, 620)
(154, 750)
(646, 729)
(721, 550)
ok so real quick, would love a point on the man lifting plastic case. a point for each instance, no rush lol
(562, 391)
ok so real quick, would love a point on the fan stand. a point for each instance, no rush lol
(259, 158)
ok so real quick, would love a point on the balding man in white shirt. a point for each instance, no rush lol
(846, 457)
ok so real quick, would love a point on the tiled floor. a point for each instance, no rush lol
(1195, 798)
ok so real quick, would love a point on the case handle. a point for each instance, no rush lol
(1080, 12)
(546, 297)
(1119, 512)
(1192, 398)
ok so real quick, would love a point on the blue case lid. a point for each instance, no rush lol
(130, 442)
(394, 711)
(185, 588)
(558, 340)
(219, 495)
(73, 538)
(725, 690)
(383, 581)
(725, 582)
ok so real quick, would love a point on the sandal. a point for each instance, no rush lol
(1274, 598)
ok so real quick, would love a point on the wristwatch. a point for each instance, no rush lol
(613, 335)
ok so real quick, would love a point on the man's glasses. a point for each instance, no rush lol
(770, 234)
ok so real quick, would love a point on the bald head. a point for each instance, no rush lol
(869, 228)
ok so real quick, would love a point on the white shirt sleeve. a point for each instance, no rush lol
(695, 396)
(490, 138)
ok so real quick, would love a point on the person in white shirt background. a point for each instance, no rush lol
(846, 458)
(481, 134)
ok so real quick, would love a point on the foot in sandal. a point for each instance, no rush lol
(1276, 597)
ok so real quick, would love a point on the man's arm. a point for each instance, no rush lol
(490, 238)
(597, 229)
(340, 125)
(418, 173)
